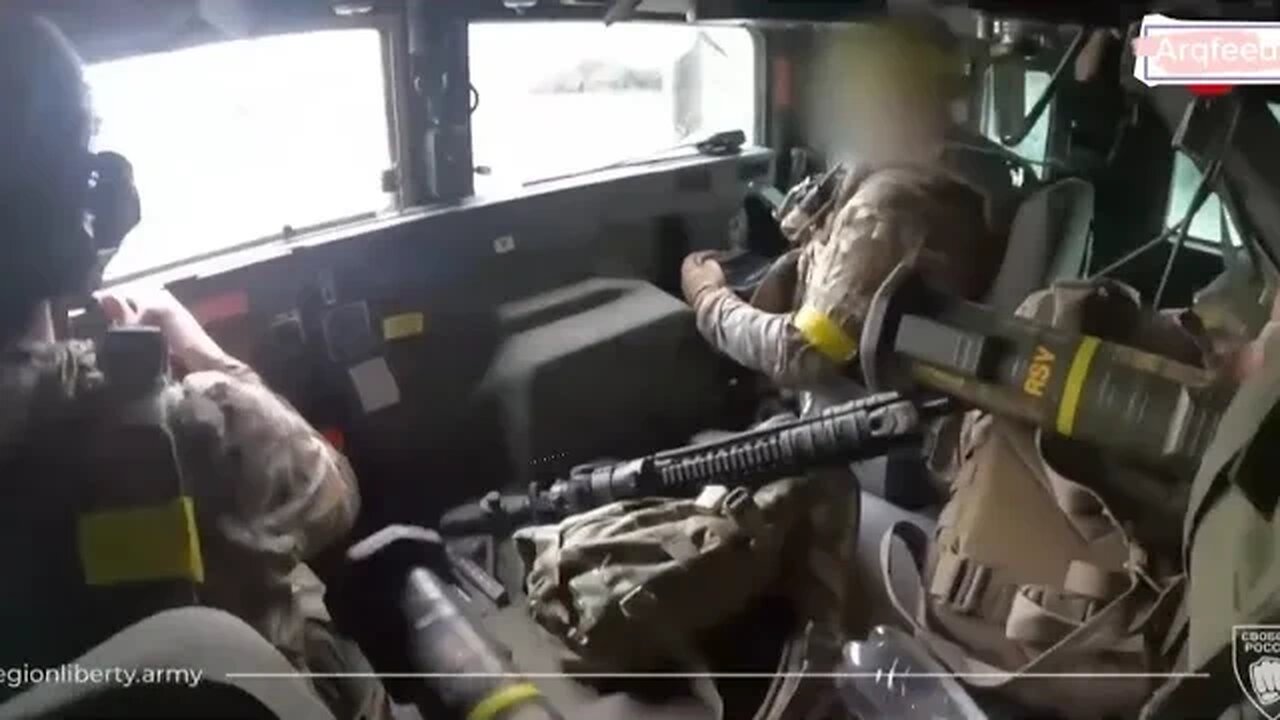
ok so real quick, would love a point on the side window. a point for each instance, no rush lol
(1034, 147)
(1206, 226)
(235, 141)
(557, 98)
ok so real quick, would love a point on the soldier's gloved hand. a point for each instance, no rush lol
(1264, 675)
(188, 342)
(700, 275)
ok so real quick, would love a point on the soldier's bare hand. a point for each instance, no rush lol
(699, 275)
(188, 342)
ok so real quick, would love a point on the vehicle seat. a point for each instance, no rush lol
(991, 168)
(1048, 241)
(195, 638)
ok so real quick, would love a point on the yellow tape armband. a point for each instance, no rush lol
(826, 335)
(1074, 386)
(141, 544)
(503, 699)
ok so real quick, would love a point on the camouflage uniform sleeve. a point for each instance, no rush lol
(275, 484)
(890, 217)
(765, 342)
(897, 216)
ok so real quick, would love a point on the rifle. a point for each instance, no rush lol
(1143, 406)
(858, 430)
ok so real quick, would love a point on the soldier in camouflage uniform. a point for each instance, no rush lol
(849, 229)
(269, 491)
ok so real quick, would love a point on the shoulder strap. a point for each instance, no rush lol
(1103, 631)
(1092, 610)
(910, 579)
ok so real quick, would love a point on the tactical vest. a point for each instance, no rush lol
(1051, 557)
(96, 500)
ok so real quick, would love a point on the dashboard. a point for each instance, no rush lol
(456, 350)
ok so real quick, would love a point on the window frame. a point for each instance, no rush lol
(406, 123)
(1195, 242)
(760, 81)
(394, 59)
(987, 99)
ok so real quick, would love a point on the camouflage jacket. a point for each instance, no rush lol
(269, 491)
(850, 229)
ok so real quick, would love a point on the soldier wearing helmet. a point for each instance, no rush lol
(269, 492)
(892, 199)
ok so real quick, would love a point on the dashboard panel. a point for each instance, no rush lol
(499, 342)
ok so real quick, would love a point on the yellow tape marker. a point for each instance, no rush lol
(141, 544)
(396, 327)
(826, 335)
(503, 699)
(1074, 385)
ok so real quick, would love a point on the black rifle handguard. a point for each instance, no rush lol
(854, 431)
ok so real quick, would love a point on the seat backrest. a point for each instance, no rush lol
(1047, 241)
(990, 168)
(215, 644)
(102, 496)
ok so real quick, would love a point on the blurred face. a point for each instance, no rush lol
(897, 122)
(888, 108)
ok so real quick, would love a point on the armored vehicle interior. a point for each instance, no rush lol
(450, 232)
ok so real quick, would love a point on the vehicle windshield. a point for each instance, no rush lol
(554, 98)
(235, 141)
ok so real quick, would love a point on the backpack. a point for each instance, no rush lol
(1050, 556)
(628, 585)
(635, 585)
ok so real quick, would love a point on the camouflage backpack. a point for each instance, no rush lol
(1051, 557)
(632, 585)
